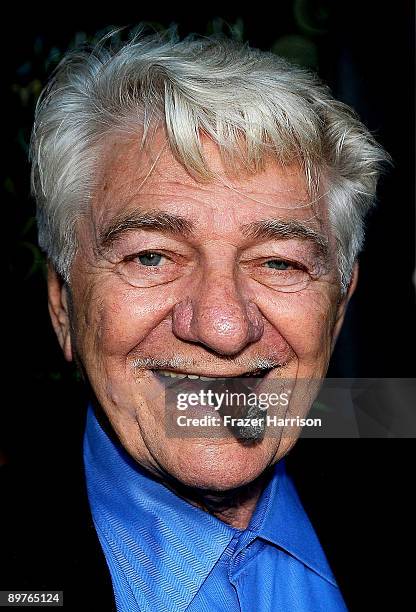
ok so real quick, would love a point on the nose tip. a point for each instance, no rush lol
(225, 327)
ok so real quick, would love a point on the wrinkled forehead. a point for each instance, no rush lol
(131, 177)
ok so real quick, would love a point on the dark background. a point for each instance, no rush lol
(358, 490)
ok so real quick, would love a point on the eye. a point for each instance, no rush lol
(278, 264)
(279, 274)
(150, 268)
(150, 259)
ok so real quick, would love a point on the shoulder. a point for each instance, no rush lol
(48, 536)
(356, 493)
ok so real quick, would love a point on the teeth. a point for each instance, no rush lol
(171, 374)
(191, 376)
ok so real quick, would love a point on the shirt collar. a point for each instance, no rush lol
(280, 518)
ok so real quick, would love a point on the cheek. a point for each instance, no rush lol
(120, 318)
(305, 320)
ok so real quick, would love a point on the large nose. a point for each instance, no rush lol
(217, 315)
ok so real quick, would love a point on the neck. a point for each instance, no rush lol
(234, 507)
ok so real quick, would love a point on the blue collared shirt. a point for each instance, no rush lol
(166, 555)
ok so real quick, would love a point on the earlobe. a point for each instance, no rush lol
(59, 310)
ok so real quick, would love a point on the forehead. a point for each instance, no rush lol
(132, 177)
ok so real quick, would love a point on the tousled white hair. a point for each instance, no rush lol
(253, 104)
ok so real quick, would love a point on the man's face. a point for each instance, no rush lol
(178, 275)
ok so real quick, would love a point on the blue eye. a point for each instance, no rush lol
(278, 264)
(150, 259)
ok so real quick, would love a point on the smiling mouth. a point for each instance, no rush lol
(259, 373)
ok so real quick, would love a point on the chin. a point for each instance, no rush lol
(218, 467)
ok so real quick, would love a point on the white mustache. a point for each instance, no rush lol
(255, 363)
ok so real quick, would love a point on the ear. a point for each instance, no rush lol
(58, 310)
(342, 306)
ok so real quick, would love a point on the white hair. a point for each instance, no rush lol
(253, 104)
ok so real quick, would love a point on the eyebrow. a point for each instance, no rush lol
(147, 220)
(279, 229)
(175, 224)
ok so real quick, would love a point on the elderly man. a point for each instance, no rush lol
(201, 204)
